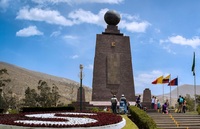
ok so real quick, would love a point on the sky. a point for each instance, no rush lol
(56, 36)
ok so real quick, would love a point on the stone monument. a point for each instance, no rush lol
(83, 94)
(146, 98)
(113, 73)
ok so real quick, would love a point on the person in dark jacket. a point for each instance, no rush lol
(114, 102)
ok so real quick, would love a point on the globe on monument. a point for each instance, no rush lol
(111, 17)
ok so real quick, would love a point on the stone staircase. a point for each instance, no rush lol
(176, 120)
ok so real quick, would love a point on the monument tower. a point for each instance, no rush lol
(113, 73)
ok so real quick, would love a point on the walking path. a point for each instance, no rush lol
(176, 120)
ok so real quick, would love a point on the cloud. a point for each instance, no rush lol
(90, 66)
(133, 23)
(29, 31)
(193, 42)
(4, 4)
(82, 16)
(70, 37)
(74, 57)
(144, 79)
(48, 16)
(168, 49)
(77, 1)
(55, 34)
(134, 26)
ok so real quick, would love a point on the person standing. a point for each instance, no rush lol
(123, 98)
(184, 106)
(138, 104)
(180, 102)
(114, 102)
(158, 105)
(152, 102)
(155, 103)
(167, 102)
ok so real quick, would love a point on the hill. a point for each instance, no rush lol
(22, 78)
(182, 90)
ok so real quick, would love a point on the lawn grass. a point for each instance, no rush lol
(129, 123)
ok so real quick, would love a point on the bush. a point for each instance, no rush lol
(1, 110)
(141, 119)
(95, 109)
(13, 111)
(198, 109)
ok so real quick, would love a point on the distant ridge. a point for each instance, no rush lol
(22, 78)
(183, 90)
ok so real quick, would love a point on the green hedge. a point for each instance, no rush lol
(198, 109)
(141, 119)
(1, 110)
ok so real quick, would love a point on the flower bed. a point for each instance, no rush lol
(60, 119)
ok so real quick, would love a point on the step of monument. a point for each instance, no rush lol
(164, 122)
(188, 120)
(186, 117)
(163, 126)
(194, 127)
(175, 120)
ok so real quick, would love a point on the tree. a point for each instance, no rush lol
(3, 80)
(31, 98)
(190, 102)
(45, 99)
(55, 95)
(6, 97)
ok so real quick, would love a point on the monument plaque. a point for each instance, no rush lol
(113, 73)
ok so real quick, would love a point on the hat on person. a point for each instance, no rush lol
(122, 95)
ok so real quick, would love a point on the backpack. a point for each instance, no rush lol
(181, 100)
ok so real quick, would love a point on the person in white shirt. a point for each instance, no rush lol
(152, 102)
(155, 103)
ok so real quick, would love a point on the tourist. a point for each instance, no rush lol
(152, 102)
(138, 104)
(123, 99)
(164, 108)
(184, 106)
(155, 103)
(114, 104)
(180, 103)
(167, 102)
(158, 105)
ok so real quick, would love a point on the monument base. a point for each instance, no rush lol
(106, 103)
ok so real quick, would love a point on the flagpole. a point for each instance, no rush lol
(170, 97)
(163, 94)
(195, 104)
(170, 91)
(194, 74)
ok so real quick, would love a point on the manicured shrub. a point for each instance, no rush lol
(141, 119)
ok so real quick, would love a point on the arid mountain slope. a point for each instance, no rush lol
(22, 78)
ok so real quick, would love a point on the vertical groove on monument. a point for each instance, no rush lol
(113, 73)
